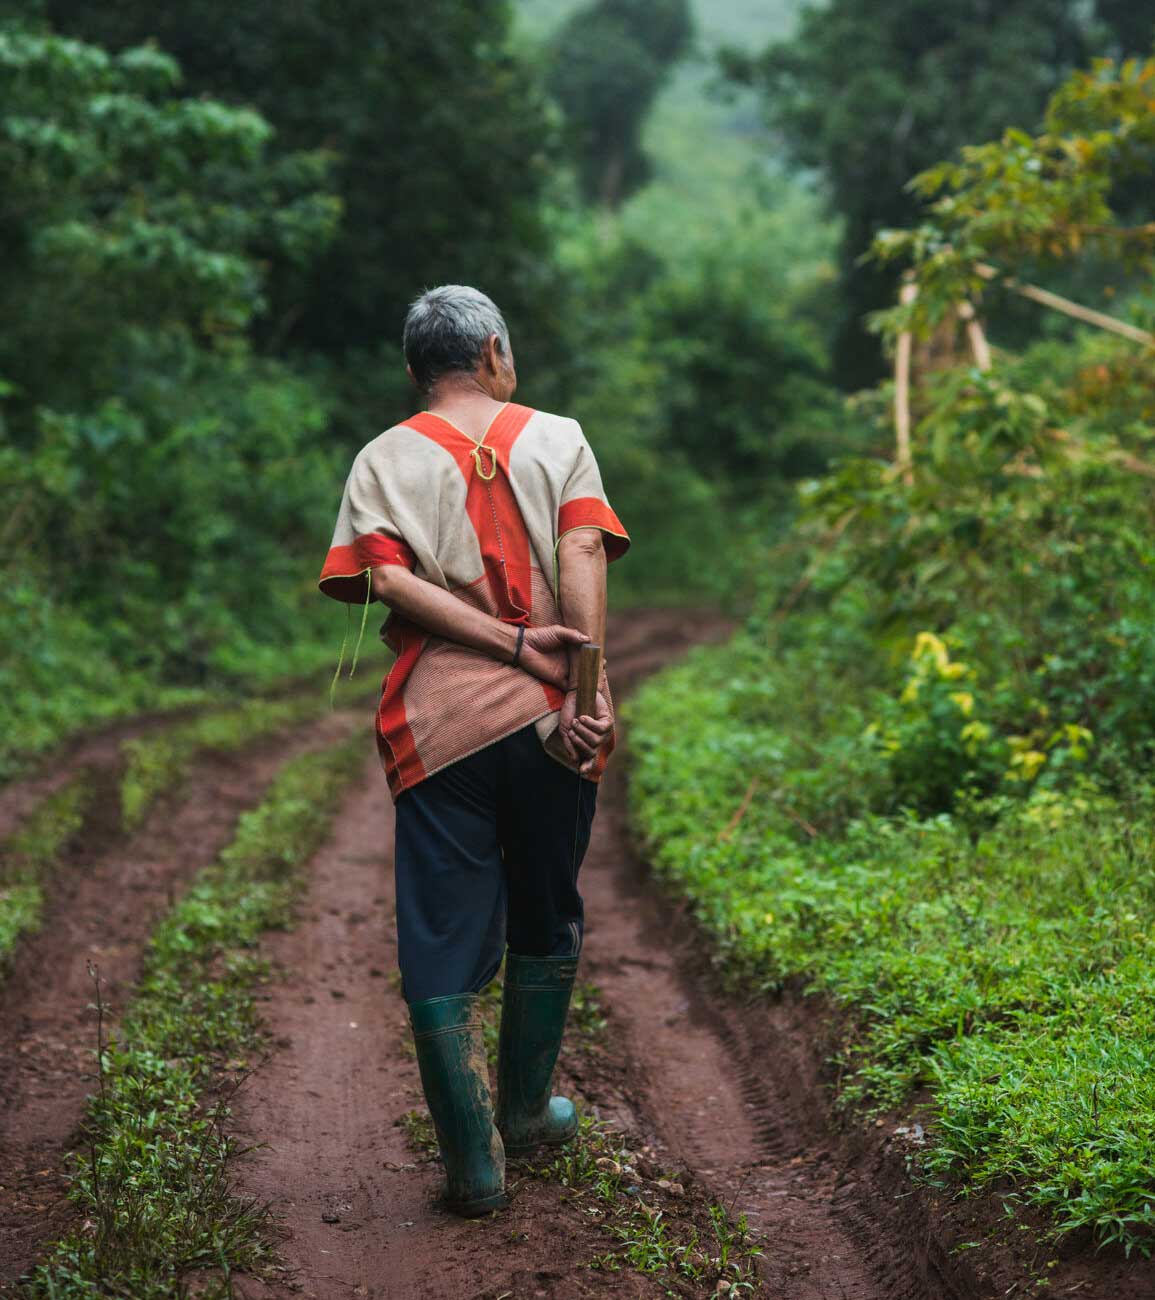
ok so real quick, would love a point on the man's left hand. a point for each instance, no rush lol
(583, 736)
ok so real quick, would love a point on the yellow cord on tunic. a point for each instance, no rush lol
(345, 638)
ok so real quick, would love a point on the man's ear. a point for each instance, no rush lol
(492, 355)
(412, 376)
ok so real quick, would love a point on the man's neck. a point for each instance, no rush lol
(464, 403)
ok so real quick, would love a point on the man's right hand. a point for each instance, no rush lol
(544, 652)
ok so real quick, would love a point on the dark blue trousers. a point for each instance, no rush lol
(484, 858)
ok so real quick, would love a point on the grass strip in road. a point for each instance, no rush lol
(152, 1185)
(155, 764)
(1002, 963)
(152, 765)
(28, 856)
(657, 1228)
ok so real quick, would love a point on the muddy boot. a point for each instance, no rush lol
(451, 1057)
(534, 1003)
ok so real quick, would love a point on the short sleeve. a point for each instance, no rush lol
(364, 536)
(584, 505)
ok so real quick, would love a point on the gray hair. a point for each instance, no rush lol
(446, 329)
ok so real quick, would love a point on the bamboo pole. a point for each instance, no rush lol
(980, 348)
(1056, 302)
(902, 457)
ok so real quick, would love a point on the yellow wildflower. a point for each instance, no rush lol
(929, 646)
(965, 701)
(1025, 765)
(973, 735)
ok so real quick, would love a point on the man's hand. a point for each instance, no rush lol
(583, 736)
(543, 652)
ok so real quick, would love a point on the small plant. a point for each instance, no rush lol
(417, 1125)
(625, 1192)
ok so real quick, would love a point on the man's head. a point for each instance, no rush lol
(455, 332)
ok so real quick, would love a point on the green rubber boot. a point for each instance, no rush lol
(534, 1002)
(451, 1057)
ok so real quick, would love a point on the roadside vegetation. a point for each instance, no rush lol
(918, 782)
(151, 1181)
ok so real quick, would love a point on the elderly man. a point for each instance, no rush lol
(484, 527)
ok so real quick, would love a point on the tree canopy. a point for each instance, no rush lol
(869, 95)
(606, 64)
(441, 143)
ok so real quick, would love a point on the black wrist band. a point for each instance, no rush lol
(517, 648)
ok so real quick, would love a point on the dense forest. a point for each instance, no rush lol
(213, 222)
(212, 229)
(855, 305)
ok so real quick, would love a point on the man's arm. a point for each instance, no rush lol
(581, 556)
(440, 612)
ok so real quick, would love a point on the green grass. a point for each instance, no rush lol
(420, 1135)
(29, 855)
(158, 763)
(1002, 959)
(152, 1185)
(647, 1218)
(60, 675)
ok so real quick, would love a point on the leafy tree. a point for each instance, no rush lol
(1131, 24)
(125, 208)
(607, 63)
(442, 143)
(748, 400)
(1046, 196)
(871, 94)
(1024, 534)
(135, 420)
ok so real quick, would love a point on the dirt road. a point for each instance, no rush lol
(685, 1072)
(726, 1097)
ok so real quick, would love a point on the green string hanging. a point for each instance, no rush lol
(340, 659)
(364, 616)
(345, 638)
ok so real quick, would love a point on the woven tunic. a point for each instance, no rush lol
(483, 520)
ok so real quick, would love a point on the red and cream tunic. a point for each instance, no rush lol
(483, 520)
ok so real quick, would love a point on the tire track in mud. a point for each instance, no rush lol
(102, 906)
(356, 1209)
